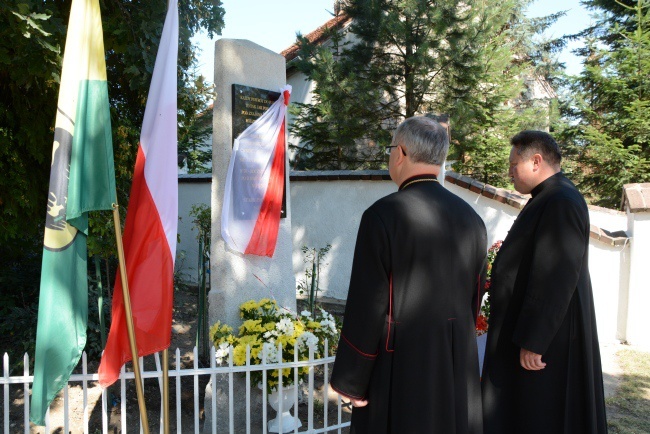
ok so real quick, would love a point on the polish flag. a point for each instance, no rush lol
(151, 220)
(252, 203)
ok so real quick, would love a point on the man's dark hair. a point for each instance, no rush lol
(531, 141)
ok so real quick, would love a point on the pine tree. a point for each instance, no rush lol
(410, 57)
(337, 130)
(512, 60)
(401, 54)
(609, 138)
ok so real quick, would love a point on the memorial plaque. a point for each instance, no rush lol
(248, 104)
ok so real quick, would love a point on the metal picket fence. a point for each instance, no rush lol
(316, 401)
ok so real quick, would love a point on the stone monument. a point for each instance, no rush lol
(236, 278)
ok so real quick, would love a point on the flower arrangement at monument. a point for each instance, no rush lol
(482, 321)
(266, 327)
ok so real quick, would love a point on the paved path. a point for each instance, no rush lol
(611, 370)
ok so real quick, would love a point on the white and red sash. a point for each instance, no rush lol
(252, 202)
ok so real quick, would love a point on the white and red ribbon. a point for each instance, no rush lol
(252, 203)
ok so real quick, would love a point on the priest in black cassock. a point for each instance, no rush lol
(542, 371)
(407, 357)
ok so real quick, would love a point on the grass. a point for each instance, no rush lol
(628, 411)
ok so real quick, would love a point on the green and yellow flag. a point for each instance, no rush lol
(82, 179)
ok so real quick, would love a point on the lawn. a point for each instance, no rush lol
(628, 411)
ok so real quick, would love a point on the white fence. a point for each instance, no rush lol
(316, 401)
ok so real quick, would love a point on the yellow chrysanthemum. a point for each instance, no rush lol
(255, 352)
(249, 305)
(269, 326)
(220, 333)
(313, 325)
(266, 301)
(251, 326)
(214, 330)
(284, 340)
(249, 340)
(239, 355)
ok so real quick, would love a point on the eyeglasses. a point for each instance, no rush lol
(388, 149)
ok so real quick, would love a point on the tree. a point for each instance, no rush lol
(513, 59)
(195, 126)
(30, 51)
(32, 38)
(411, 57)
(31, 48)
(609, 138)
(341, 116)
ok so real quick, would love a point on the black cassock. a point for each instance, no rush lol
(541, 300)
(418, 371)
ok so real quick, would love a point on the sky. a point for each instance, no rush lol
(274, 23)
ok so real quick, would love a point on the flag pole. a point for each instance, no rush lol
(165, 362)
(166, 390)
(129, 319)
(165, 355)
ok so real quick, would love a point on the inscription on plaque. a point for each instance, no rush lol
(248, 104)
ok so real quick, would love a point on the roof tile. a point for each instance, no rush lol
(636, 197)
(317, 36)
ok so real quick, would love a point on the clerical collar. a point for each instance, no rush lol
(418, 178)
(547, 182)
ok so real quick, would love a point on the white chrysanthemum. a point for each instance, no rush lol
(222, 352)
(305, 313)
(285, 326)
(328, 326)
(326, 315)
(308, 339)
(271, 352)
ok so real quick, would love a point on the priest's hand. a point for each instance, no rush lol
(354, 401)
(531, 361)
(358, 402)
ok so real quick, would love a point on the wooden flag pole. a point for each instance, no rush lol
(129, 319)
(165, 363)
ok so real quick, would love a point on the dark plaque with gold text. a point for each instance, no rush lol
(248, 104)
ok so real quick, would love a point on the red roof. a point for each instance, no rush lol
(317, 36)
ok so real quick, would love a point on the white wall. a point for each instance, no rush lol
(609, 267)
(497, 216)
(639, 293)
(187, 250)
(328, 212)
(608, 219)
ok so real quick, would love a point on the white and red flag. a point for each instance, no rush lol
(151, 220)
(252, 202)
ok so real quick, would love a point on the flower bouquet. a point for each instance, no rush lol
(265, 328)
(482, 321)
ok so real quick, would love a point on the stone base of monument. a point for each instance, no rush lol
(220, 391)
